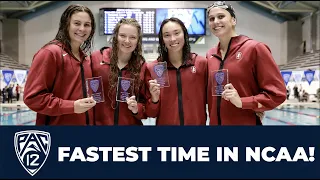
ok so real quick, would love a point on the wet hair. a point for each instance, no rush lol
(162, 50)
(134, 64)
(64, 25)
(223, 5)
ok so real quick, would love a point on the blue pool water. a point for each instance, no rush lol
(285, 116)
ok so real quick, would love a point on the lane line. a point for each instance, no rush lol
(279, 120)
(296, 112)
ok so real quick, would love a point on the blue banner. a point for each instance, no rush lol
(309, 75)
(20, 75)
(286, 76)
(129, 152)
(7, 76)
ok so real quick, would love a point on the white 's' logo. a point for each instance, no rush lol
(193, 69)
(239, 55)
(32, 149)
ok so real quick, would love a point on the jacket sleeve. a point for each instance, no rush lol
(152, 109)
(146, 108)
(270, 81)
(38, 94)
(142, 97)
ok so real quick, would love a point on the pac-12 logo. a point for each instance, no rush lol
(32, 148)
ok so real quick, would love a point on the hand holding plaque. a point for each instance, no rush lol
(159, 72)
(125, 88)
(95, 88)
(219, 79)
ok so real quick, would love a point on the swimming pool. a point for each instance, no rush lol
(284, 117)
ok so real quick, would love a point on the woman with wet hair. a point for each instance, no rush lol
(184, 101)
(123, 60)
(254, 82)
(55, 88)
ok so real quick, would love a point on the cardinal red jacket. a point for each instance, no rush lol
(184, 102)
(112, 112)
(253, 73)
(55, 80)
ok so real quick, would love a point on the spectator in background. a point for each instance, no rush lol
(288, 92)
(4, 94)
(18, 92)
(10, 93)
(296, 92)
(304, 96)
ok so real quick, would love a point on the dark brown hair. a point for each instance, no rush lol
(63, 32)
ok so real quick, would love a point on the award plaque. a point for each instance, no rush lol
(95, 88)
(219, 79)
(159, 72)
(125, 88)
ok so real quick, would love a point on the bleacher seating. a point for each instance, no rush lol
(6, 62)
(305, 61)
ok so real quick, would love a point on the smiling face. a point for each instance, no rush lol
(128, 37)
(173, 36)
(80, 27)
(221, 22)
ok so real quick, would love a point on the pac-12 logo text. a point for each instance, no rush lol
(32, 149)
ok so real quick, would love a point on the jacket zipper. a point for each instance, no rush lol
(84, 90)
(221, 67)
(116, 111)
(180, 104)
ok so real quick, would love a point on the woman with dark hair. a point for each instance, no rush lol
(254, 82)
(184, 101)
(123, 60)
(55, 88)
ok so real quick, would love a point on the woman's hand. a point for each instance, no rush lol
(231, 94)
(154, 90)
(83, 105)
(132, 104)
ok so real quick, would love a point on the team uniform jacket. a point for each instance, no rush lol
(112, 112)
(253, 73)
(184, 102)
(55, 80)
